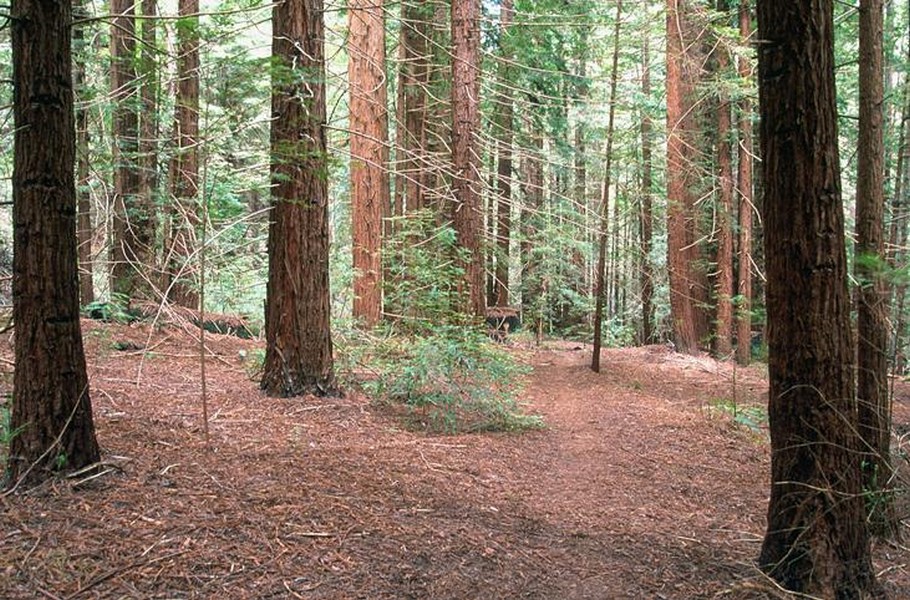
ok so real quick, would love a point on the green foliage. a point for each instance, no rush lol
(6, 433)
(424, 273)
(116, 310)
(752, 417)
(452, 380)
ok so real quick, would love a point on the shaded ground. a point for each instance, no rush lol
(638, 488)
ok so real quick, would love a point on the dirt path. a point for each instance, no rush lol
(636, 489)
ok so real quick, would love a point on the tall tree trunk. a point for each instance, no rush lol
(744, 189)
(504, 165)
(51, 408)
(84, 229)
(411, 179)
(816, 542)
(687, 287)
(369, 153)
(127, 256)
(147, 161)
(723, 335)
(184, 167)
(601, 274)
(646, 216)
(466, 215)
(872, 311)
(898, 231)
(298, 358)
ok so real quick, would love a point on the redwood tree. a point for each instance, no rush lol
(51, 408)
(872, 307)
(466, 212)
(816, 541)
(744, 189)
(127, 253)
(298, 358)
(503, 201)
(688, 293)
(184, 167)
(369, 152)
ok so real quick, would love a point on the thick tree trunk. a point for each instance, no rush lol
(298, 357)
(723, 334)
(744, 190)
(688, 292)
(184, 168)
(873, 400)
(369, 153)
(816, 542)
(645, 215)
(84, 229)
(500, 296)
(466, 212)
(51, 409)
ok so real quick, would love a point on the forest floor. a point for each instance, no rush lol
(640, 486)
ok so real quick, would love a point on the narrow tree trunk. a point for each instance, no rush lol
(872, 311)
(646, 217)
(369, 153)
(147, 161)
(84, 229)
(298, 358)
(51, 408)
(723, 336)
(127, 258)
(744, 189)
(466, 215)
(412, 161)
(184, 167)
(504, 165)
(816, 542)
(601, 275)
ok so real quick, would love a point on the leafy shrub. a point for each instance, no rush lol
(453, 379)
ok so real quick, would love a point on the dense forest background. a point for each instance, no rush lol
(561, 169)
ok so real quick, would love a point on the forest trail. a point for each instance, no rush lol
(639, 487)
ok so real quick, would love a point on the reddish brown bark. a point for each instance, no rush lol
(816, 542)
(744, 189)
(84, 229)
(688, 292)
(370, 194)
(298, 357)
(51, 410)
(184, 168)
(466, 212)
(412, 171)
(872, 311)
(128, 258)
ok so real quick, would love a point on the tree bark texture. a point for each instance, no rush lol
(873, 400)
(370, 193)
(467, 218)
(128, 254)
(298, 356)
(84, 229)
(688, 286)
(51, 409)
(504, 133)
(744, 191)
(147, 160)
(184, 167)
(816, 542)
(412, 172)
